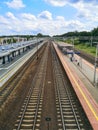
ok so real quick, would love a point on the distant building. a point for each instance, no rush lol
(8, 40)
(1, 41)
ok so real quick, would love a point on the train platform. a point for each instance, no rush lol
(8, 70)
(87, 69)
(84, 66)
(86, 92)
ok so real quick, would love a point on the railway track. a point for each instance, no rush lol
(50, 94)
(30, 113)
(8, 88)
(70, 114)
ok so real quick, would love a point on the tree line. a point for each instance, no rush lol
(93, 32)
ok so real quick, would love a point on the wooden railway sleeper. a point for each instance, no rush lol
(68, 96)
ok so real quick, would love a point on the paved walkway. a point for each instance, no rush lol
(87, 69)
(85, 91)
(85, 73)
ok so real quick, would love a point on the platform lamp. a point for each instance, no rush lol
(73, 43)
(72, 39)
(91, 40)
(37, 48)
(96, 60)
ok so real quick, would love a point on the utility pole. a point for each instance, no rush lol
(80, 61)
(91, 40)
(73, 47)
(37, 48)
(96, 60)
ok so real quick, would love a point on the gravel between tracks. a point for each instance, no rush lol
(49, 104)
(12, 107)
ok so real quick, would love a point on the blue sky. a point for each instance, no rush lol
(50, 17)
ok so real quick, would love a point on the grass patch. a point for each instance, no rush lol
(86, 48)
(83, 47)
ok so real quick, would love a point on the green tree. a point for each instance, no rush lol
(39, 35)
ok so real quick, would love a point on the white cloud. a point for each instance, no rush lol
(10, 15)
(28, 16)
(27, 23)
(61, 3)
(16, 4)
(3, 20)
(85, 18)
(45, 15)
(76, 25)
(60, 18)
(87, 11)
(57, 2)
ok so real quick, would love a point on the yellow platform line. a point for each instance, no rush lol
(88, 103)
(6, 75)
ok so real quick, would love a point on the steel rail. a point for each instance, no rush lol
(56, 82)
(60, 107)
(8, 89)
(77, 122)
(43, 64)
(57, 68)
(30, 94)
(72, 106)
(42, 84)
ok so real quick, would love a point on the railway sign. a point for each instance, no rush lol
(48, 119)
(72, 52)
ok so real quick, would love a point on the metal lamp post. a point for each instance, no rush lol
(96, 60)
(73, 48)
(37, 48)
(91, 39)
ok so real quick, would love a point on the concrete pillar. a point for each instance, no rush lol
(13, 54)
(8, 58)
(3, 58)
(19, 52)
(23, 50)
(28, 47)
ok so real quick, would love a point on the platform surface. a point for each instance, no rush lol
(86, 92)
(7, 70)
